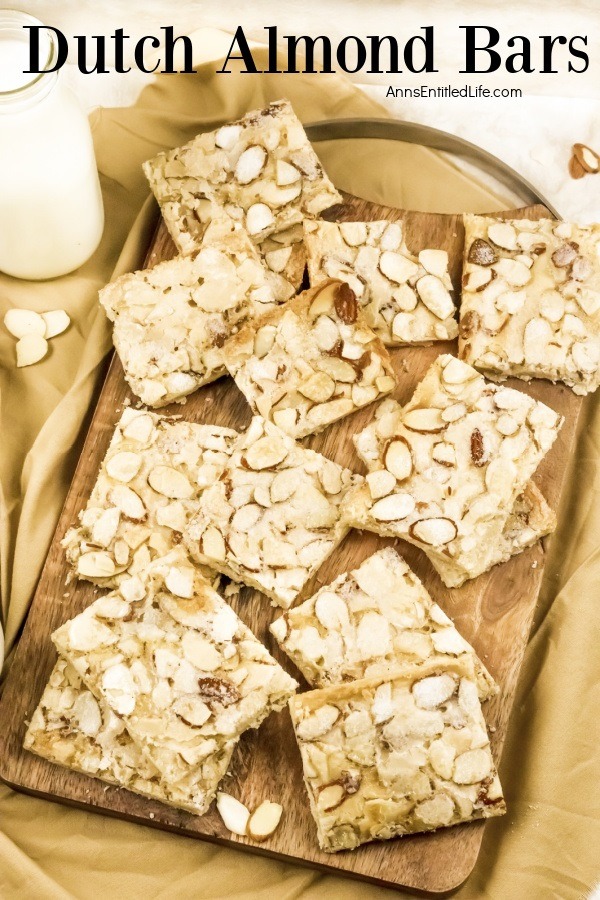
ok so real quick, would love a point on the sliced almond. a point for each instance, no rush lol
(234, 814)
(587, 158)
(21, 322)
(264, 820)
(180, 581)
(396, 267)
(96, 564)
(330, 797)
(266, 453)
(398, 459)
(213, 544)
(264, 340)
(503, 235)
(57, 321)
(278, 259)
(392, 236)
(431, 692)
(478, 279)
(345, 303)
(552, 306)
(481, 253)
(250, 164)
(330, 610)
(435, 296)
(318, 388)
(323, 301)
(514, 272)
(393, 508)
(31, 348)
(435, 262)
(286, 173)
(435, 532)
(139, 429)
(444, 454)
(170, 483)
(105, 527)
(326, 333)
(123, 466)
(354, 233)
(425, 420)
(581, 269)
(564, 255)
(576, 170)
(258, 218)
(380, 483)
(128, 502)
(227, 136)
(458, 372)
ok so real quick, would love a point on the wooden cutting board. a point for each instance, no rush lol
(494, 612)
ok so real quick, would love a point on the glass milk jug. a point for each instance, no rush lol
(51, 215)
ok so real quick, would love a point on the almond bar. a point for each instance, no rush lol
(311, 362)
(405, 299)
(261, 170)
(446, 469)
(531, 300)
(274, 516)
(71, 728)
(170, 322)
(149, 482)
(170, 657)
(369, 621)
(389, 756)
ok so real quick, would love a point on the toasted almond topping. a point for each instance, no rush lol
(264, 340)
(234, 814)
(435, 531)
(354, 233)
(286, 174)
(435, 262)
(435, 296)
(481, 253)
(266, 453)
(345, 303)
(393, 507)
(123, 466)
(478, 453)
(96, 564)
(258, 218)
(398, 459)
(458, 372)
(396, 267)
(431, 692)
(587, 158)
(564, 255)
(503, 235)
(424, 420)
(170, 483)
(227, 136)
(180, 581)
(250, 164)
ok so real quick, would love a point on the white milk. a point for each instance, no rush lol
(51, 215)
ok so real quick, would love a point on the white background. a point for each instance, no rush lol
(533, 134)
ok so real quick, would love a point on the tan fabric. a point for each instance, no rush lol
(548, 843)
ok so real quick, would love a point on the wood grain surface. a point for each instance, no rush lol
(494, 612)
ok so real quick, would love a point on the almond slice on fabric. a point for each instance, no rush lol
(234, 814)
(31, 348)
(57, 321)
(264, 820)
(21, 322)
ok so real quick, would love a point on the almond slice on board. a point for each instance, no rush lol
(264, 820)
(234, 814)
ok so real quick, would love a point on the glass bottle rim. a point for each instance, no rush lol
(12, 22)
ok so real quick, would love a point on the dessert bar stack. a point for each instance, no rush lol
(394, 740)
(155, 683)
